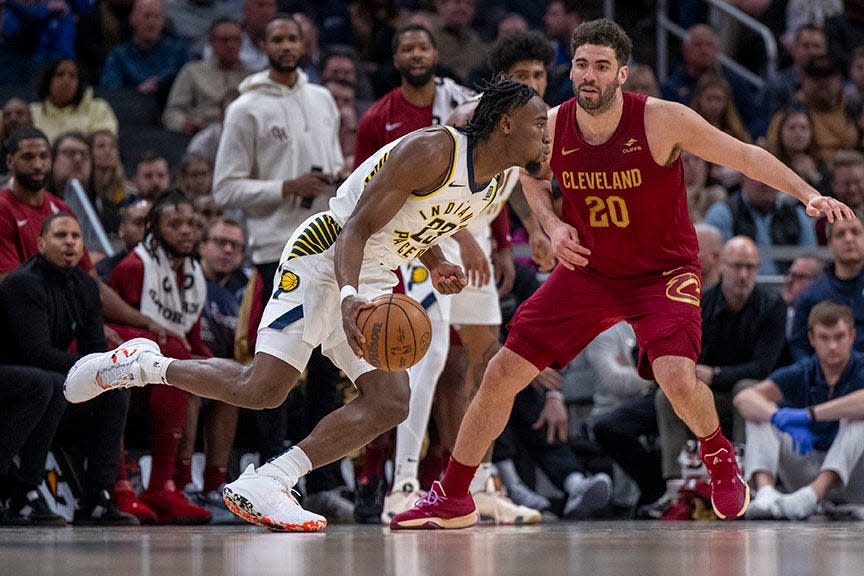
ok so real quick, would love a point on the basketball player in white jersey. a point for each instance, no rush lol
(394, 208)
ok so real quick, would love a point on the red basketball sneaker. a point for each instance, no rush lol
(436, 510)
(730, 494)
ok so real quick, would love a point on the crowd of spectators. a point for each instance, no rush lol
(202, 134)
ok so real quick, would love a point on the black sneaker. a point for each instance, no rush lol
(103, 511)
(30, 509)
(370, 500)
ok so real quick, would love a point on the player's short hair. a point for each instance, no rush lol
(397, 37)
(518, 48)
(171, 197)
(828, 314)
(24, 133)
(500, 96)
(46, 224)
(603, 32)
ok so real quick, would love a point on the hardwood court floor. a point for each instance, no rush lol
(589, 548)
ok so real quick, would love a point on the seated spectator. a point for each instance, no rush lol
(699, 56)
(460, 48)
(780, 92)
(846, 184)
(71, 153)
(256, 14)
(16, 50)
(712, 99)
(221, 252)
(101, 28)
(805, 428)
(16, 113)
(842, 282)
(340, 63)
(109, 188)
(46, 304)
(758, 212)
(206, 142)
(133, 219)
(710, 246)
(149, 62)
(195, 100)
(152, 175)
(796, 148)
(190, 21)
(642, 80)
(702, 193)
(161, 278)
(47, 27)
(743, 336)
(853, 91)
(801, 273)
(67, 103)
(195, 176)
(834, 123)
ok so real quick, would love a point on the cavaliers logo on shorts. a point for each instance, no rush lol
(685, 288)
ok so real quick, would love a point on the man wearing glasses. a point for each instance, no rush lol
(801, 273)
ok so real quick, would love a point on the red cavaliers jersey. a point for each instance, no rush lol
(629, 211)
(19, 228)
(389, 118)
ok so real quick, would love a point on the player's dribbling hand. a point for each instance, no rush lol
(448, 278)
(566, 246)
(832, 208)
(351, 307)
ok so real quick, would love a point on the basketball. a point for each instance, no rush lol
(397, 331)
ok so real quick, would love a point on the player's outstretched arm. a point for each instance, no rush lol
(672, 127)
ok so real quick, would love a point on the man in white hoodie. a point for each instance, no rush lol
(277, 155)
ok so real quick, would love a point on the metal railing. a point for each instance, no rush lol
(666, 26)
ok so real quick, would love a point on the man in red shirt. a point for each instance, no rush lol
(161, 278)
(26, 204)
(627, 250)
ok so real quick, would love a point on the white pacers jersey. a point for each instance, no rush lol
(426, 218)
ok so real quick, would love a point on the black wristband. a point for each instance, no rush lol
(812, 413)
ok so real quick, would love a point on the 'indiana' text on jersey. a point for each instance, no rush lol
(428, 216)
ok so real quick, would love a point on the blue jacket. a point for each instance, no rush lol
(827, 287)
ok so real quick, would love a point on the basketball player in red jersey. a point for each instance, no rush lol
(627, 251)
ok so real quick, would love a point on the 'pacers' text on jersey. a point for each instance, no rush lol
(629, 211)
(426, 218)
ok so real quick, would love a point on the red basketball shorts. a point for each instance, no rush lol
(573, 306)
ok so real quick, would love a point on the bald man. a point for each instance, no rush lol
(710, 245)
(743, 334)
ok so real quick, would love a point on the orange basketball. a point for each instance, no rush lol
(397, 331)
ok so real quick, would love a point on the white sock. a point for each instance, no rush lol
(154, 367)
(422, 379)
(481, 476)
(289, 467)
(572, 481)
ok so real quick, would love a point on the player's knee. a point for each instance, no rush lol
(499, 380)
(398, 401)
(389, 399)
(261, 394)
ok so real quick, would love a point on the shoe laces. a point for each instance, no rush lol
(430, 499)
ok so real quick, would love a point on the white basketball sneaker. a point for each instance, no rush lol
(97, 373)
(496, 508)
(400, 499)
(265, 501)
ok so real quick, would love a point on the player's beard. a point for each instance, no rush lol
(282, 68)
(533, 167)
(603, 102)
(416, 80)
(173, 251)
(31, 184)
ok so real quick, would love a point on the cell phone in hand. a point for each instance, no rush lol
(307, 202)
